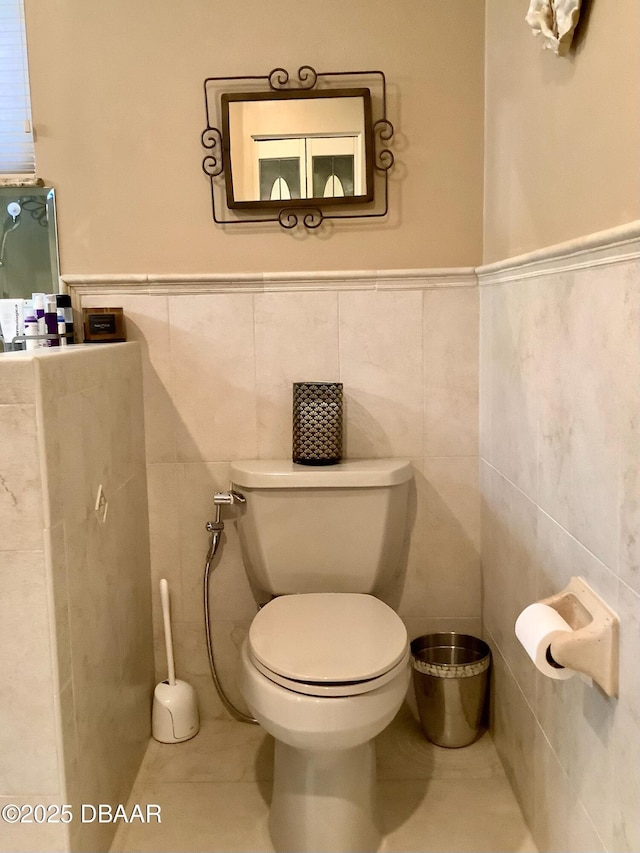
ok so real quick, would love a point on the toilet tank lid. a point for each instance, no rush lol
(352, 473)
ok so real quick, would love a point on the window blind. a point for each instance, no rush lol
(16, 137)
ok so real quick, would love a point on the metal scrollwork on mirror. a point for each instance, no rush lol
(297, 152)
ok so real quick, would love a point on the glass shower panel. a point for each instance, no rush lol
(28, 242)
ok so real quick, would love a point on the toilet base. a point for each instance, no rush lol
(324, 801)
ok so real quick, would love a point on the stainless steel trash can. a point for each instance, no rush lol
(450, 673)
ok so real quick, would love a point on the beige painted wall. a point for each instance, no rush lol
(562, 136)
(118, 109)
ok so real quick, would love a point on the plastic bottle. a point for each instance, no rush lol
(63, 301)
(62, 328)
(38, 310)
(31, 329)
(51, 320)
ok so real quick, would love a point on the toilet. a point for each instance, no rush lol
(326, 663)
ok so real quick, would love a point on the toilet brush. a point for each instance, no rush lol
(175, 706)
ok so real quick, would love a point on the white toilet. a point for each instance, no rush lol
(325, 666)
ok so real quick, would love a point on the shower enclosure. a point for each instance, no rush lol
(28, 242)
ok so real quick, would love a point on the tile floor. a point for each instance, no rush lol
(214, 793)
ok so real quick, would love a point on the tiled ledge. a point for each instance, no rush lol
(613, 246)
(264, 282)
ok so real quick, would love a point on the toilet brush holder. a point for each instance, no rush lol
(174, 713)
(317, 423)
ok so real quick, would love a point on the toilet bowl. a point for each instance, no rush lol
(325, 673)
(325, 665)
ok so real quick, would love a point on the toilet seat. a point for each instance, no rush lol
(328, 644)
(346, 688)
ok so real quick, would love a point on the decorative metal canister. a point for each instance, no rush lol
(317, 423)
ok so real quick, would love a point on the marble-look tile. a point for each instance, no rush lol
(442, 576)
(160, 411)
(447, 815)
(629, 550)
(418, 625)
(499, 687)
(584, 369)
(21, 509)
(73, 500)
(106, 435)
(452, 584)
(557, 376)
(164, 550)
(17, 381)
(403, 752)
(201, 816)
(222, 751)
(408, 600)
(192, 663)
(513, 727)
(381, 366)
(110, 625)
(514, 398)
(29, 763)
(92, 578)
(509, 570)
(147, 321)
(132, 606)
(70, 760)
(626, 781)
(82, 366)
(450, 352)
(561, 821)
(628, 608)
(578, 722)
(486, 369)
(596, 303)
(555, 550)
(94, 447)
(626, 735)
(229, 592)
(56, 567)
(431, 799)
(213, 375)
(296, 339)
(27, 837)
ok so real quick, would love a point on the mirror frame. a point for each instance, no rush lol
(228, 98)
(310, 213)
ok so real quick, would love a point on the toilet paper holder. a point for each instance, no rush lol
(593, 647)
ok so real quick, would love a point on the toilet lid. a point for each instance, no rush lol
(328, 637)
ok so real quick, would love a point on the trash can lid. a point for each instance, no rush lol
(328, 637)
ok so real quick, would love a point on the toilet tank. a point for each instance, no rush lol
(337, 528)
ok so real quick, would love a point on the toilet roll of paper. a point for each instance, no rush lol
(536, 628)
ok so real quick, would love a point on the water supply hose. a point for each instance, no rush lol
(216, 529)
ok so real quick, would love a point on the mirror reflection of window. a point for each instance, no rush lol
(333, 176)
(333, 188)
(280, 190)
(309, 166)
(304, 125)
(279, 178)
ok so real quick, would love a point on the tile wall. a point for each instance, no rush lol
(30, 765)
(75, 620)
(560, 434)
(218, 369)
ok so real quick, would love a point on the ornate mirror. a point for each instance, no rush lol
(297, 152)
